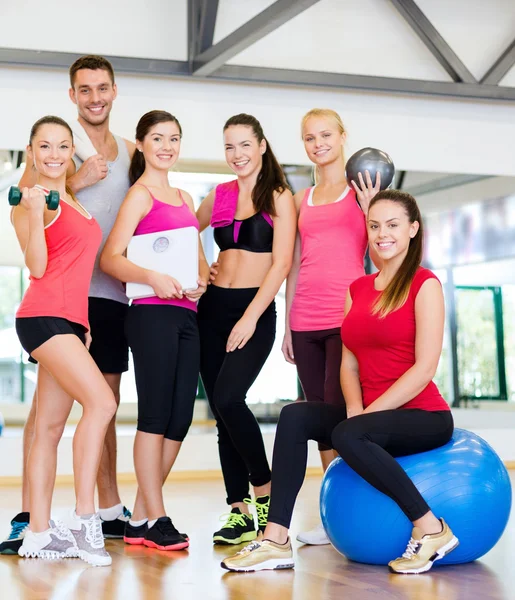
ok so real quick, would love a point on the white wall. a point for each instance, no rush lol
(420, 133)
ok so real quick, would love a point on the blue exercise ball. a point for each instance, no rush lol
(465, 482)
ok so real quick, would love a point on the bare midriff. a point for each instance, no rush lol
(242, 269)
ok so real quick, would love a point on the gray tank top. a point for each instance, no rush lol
(103, 201)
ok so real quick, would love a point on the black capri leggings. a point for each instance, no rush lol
(164, 342)
(227, 377)
(318, 357)
(367, 443)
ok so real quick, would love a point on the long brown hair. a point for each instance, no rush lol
(271, 177)
(396, 292)
(145, 124)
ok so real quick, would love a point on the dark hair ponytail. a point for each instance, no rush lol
(396, 292)
(145, 124)
(271, 177)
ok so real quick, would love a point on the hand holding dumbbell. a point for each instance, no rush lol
(15, 197)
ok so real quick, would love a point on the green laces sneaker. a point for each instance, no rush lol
(238, 528)
(262, 504)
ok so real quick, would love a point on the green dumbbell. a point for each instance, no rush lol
(52, 200)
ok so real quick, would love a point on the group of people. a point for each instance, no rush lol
(368, 399)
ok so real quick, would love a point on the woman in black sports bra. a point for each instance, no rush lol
(254, 224)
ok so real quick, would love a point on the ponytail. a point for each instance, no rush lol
(137, 167)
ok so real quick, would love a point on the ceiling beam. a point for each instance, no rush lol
(278, 13)
(244, 74)
(502, 65)
(439, 48)
(444, 183)
(209, 10)
(474, 91)
(63, 60)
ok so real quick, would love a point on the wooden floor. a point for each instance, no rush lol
(320, 572)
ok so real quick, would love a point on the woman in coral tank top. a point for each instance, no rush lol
(52, 323)
(392, 340)
(329, 256)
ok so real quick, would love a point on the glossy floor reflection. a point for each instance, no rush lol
(320, 573)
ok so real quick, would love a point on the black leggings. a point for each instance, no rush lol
(164, 342)
(227, 377)
(318, 357)
(367, 443)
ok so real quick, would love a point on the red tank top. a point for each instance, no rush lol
(385, 348)
(333, 244)
(72, 243)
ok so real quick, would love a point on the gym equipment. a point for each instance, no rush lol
(465, 482)
(373, 161)
(52, 199)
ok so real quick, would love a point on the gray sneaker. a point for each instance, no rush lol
(54, 543)
(90, 540)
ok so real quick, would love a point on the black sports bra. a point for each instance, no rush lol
(255, 234)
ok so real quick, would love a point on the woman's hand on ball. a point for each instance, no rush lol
(366, 189)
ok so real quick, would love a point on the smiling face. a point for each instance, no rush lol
(94, 93)
(323, 140)
(390, 229)
(51, 150)
(161, 145)
(243, 151)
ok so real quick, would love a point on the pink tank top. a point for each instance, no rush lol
(163, 217)
(333, 244)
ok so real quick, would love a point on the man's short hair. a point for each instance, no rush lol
(92, 62)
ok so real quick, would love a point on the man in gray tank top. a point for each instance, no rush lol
(100, 181)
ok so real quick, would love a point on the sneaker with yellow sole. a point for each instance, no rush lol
(261, 556)
(424, 550)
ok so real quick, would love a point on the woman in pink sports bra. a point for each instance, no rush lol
(162, 330)
(329, 255)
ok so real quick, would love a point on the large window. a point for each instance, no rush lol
(481, 367)
(17, 376)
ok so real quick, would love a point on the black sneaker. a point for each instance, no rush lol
(262, 504)
(13, 542)
(238, 528)
(135, 535)
(115, 529)
(163, 536)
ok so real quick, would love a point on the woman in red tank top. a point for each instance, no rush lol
(392, 340)
(52, 324)
(161, 329)
(329, 255)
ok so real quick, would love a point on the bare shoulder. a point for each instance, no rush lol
(298, 197)
(283, 202)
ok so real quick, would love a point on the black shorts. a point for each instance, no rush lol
(33, 332)
(109, 347)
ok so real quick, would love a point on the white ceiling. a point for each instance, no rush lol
(366, 37)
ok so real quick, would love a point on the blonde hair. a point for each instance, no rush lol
(328, 114)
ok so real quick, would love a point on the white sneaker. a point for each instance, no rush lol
(314, 537)
(54, 543)
(90, 540)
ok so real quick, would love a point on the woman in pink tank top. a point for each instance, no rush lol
(60, 247)
(329, 255)
(161, 330)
